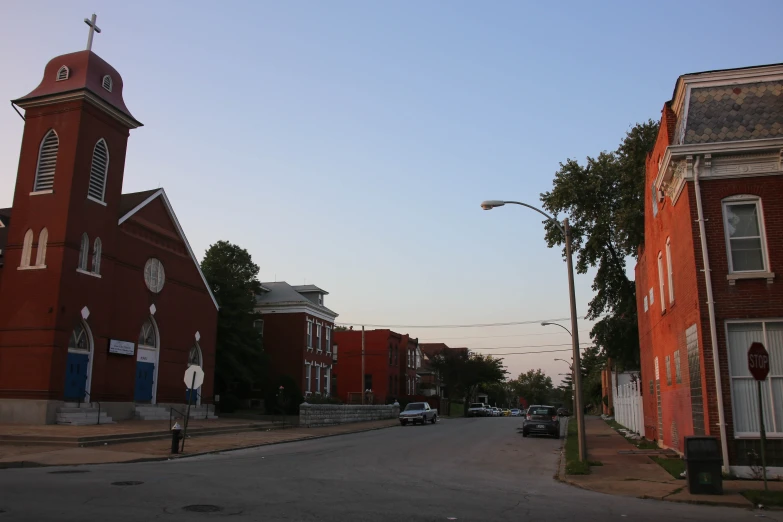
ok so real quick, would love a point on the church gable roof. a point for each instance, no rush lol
(131, 204)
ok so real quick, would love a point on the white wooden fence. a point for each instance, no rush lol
(628, 409)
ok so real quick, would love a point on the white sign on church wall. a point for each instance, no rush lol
(121, 347)
(147, 356)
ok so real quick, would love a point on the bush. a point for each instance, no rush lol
(321, 399)
(229, 403)
(287, 402)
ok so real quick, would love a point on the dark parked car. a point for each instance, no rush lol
(541, 420)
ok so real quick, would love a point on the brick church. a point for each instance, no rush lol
(101, 297)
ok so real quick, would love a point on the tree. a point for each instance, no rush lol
(604, 200)
(462, 373)
(534, 386)
(232, 276)
(593, 363)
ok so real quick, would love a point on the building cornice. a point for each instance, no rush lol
(78, 95)
(297, 307)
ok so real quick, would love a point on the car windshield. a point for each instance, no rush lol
(414, 406)
(541, 411)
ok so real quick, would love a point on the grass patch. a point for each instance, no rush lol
(640, 444)
(766, 498)
(456, 409)
(616, 425)
(675, 467)
(573, 466)
(594, 463)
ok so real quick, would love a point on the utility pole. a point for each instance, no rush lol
(580, 413)
(362, 381)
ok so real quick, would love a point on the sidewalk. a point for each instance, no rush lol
(19, 456)
(633, 473)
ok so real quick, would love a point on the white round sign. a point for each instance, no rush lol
(198, 373)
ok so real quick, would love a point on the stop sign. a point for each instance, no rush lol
(758, 361)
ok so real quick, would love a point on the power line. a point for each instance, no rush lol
(528, 353)
(582, 345)
(561, 332)
(480, 325)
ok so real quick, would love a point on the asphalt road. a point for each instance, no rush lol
(460, 469)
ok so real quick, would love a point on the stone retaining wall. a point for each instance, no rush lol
(313, 415)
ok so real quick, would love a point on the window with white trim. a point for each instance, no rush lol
(317, 379)
(258, 324)
(669, 269)
(40, 256)
(27, 249)
(328, 381)
(745, 240)
(668, 370)
(107, 83)
(328, 339)
(309, 335)
(660, 282)
(646, 306)
(47, 160)
(96, 256)
(318, 338)
(84, 251)
(744, 396)
(98, 171)
(63, 73)
(307, 376)
(652, 297)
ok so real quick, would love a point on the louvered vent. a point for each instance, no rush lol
(100, 164)
(47, 159)
(107, 83)
(63, 73)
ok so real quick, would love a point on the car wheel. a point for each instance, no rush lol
(434, 419)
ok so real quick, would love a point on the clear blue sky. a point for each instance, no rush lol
(349, 144)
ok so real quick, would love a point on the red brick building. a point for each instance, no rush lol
(390, 363)
(713, 179)
(101, 297)
(297, 330)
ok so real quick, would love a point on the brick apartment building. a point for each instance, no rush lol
(101, 297)
(714, 179)
(429, 383)
(297, 330)
(390, 363)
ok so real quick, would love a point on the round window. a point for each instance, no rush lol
(154, 275)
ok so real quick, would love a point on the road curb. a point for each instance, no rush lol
(30, 464)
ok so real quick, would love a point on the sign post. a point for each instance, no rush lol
(758, 364)
(194, 378)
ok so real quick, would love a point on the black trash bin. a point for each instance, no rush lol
(703, 465)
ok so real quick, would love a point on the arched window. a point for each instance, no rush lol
(194, 357)
(84, 251)
(98, 170)
(63, 73)
(27, 249)
(96, 256)
(147, 336)
(40, 257)
(79, 340)
(107, 83)
(47, 159)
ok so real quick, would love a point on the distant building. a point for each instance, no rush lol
(714, 180)
(430, 384)
(298, 334)
(390, 364)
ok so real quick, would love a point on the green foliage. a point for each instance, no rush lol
(765, 498)
(573, 465)
(604, 199)
(463, 373)
(282, 401)
(229, 403)
(675, 467)
(534, 386)
(593, 362)
(232, 276)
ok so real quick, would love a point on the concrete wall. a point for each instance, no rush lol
(27, 411)
(313, 415)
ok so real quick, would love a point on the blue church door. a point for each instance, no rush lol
(145, 371)
(76, 375)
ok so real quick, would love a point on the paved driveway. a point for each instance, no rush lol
(459, 469)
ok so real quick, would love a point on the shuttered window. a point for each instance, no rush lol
(47, 159)
(107, 83)
(98, 170)
(63, 73)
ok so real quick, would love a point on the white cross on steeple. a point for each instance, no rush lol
(93, 29)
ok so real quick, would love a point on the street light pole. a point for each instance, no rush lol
(362, 381)
(565, 229)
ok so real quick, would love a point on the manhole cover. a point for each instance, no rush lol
(67, 471)
(127, 483)
(203, 508)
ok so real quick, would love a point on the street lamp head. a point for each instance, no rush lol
(492, 203)
(544, 323)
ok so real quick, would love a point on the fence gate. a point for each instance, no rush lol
(628, 406)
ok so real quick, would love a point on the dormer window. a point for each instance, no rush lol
(107, 83)
(63, 73)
